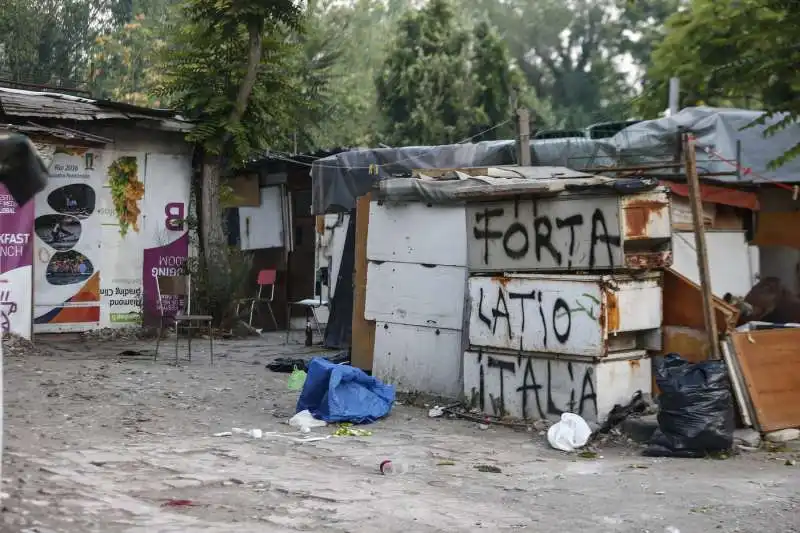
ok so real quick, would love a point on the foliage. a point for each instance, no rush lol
(497, 82)
(122, 62)
(205, 64)
(126, 192)
(206, 298)
(732, 52)
(574, 54)
(356, 32)
(426, 90)
(46, 41)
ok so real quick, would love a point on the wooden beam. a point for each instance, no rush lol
(700, 245)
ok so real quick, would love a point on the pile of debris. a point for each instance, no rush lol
(16, 346)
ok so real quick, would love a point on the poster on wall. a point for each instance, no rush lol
(16, 265)
(67, 243)
(167, 247)
(122, 239)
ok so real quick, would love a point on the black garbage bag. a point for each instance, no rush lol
(696, 414)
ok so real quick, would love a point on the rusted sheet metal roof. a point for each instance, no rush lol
(55, 106)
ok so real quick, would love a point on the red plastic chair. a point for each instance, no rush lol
(266, 279)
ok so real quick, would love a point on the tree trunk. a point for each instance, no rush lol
(254, 31)
(215, 245)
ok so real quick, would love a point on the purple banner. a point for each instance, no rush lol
(16, 228)
(16, 264)
(165, 260)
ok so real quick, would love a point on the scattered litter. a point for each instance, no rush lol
(588, 454)
(388, 468)
(305, 421)
(483, 427)
(446, 463)
(178, 503)
(436, 412)
(790, 462)
(637, 406)
(660, 493)
(340, 393)
(346, 429)
(783, 435)
(747, 437)
(296, 380)
(223, 434)
(287, 365)
(256, 433)
(696, 416)
(672, 529)
(638, 467)
(569, 434)
(488, 469)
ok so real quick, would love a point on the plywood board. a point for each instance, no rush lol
(363, 340)
(778, 229)
(770, 364)
(683, 305)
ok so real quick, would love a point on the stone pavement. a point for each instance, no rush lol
(100, 443)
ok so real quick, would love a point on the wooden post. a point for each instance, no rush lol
(700, 244)
(524, 138)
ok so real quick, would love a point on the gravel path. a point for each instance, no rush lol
(100, 443)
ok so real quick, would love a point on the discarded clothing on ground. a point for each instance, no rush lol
(341, 393)
(287, 365)
(696, 414)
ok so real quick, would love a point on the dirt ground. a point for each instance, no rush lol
(98, 442)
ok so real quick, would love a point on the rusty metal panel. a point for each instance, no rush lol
(570, 232)
(560, 314)
(770, 364)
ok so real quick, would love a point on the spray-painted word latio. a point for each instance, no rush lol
(563, 314)
(545, 314)
(526, 387)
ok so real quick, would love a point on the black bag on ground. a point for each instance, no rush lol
(696, 415)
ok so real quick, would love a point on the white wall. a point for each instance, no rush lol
(732, 262)
(117, 280)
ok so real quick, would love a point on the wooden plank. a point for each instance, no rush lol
(363, 343)
(770, 364)
(778, 229)
(683, 305)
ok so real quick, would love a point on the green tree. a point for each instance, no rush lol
(228, 66)
(47, 41)
(731, 53)
(580, 56)
(426, 90)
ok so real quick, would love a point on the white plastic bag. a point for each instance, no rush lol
(569, 434)
(305, 421)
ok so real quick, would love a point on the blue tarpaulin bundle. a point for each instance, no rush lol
(340, 393)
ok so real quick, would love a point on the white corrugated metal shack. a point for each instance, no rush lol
(85, 273)
(527, 291)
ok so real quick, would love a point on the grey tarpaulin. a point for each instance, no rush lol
(338, 180)
(458, 187)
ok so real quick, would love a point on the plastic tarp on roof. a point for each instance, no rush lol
(338, 180)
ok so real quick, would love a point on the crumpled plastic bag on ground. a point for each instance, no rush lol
(305, 421)
(339, 393)
(296, 380)
(696, 414)
(569, 434)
